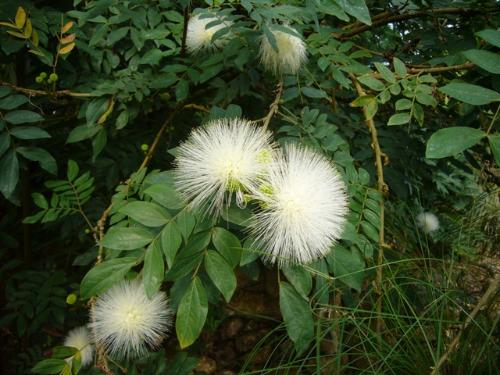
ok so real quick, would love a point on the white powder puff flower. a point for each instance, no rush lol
(303, 208)
(291, 52)
(126, 322)
(428, 222)
(199, 33)
(223, 157)
(79, 338)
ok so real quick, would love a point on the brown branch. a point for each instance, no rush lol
(102, 362)
(438, 69)
(274, 106)
(382, 188)
(187, 10)
(156, 141)
(482, 303)
(394, 17)
(198, 107)
(33, 92)
(442, 69)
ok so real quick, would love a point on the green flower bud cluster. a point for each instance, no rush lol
(42, 78)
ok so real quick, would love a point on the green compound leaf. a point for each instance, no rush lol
(49, 366)
(153, 269)
(165, 195)
(346, 266)
(9, 173)
(228, 245)
(487, 60)
(146, 213)
(22, 117)
(191, 314)
(297, 315)
(471, 94)
(171, 240)
(130, 238)
(221, 274)
(103, 276)
(451, 141)
(495, 146)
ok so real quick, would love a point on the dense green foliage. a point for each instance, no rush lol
(403, 96)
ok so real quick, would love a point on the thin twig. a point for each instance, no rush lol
(482, 303)
(382, 188)
(441, 69)
(102, 363)
(493, 120)
(395, 17)
(274, 106)
(33, 92)
(156, 141)
(198, 107)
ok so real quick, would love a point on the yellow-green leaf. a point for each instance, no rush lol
(67, 27)
(16, 34)
(8, 24)
(105, 115)
(68, 38)
(66, 49)
(34, 38)
(28, 29)
(20, 17)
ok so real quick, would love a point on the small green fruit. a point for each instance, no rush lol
(87, 231)
(43, 75)
(53, 77)
(38, 79)
(144, 147)
(71, 299)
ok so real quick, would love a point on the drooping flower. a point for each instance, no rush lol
(79, 338)
(223, 157)
(126, 322)
(428, 222)
(199, 32)
(291, 53)
(303, 207)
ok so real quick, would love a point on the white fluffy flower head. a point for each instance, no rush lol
(79, 338)
(126, 322)
(291, 52)
(199, 36)
(303, 208)
(428, 222)
(223, 157)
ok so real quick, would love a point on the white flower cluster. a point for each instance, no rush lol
(286, 53)
(299, 196)
(201, 28)
(290, 53)
(124, 321)
(80, 338)
(428, 222)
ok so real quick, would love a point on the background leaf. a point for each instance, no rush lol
(451, 141)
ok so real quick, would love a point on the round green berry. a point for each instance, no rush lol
(38, 79)
(71, 299)
(43, 75)
(144, 147)
(53, 77)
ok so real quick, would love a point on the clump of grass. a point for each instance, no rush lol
(424, 308)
